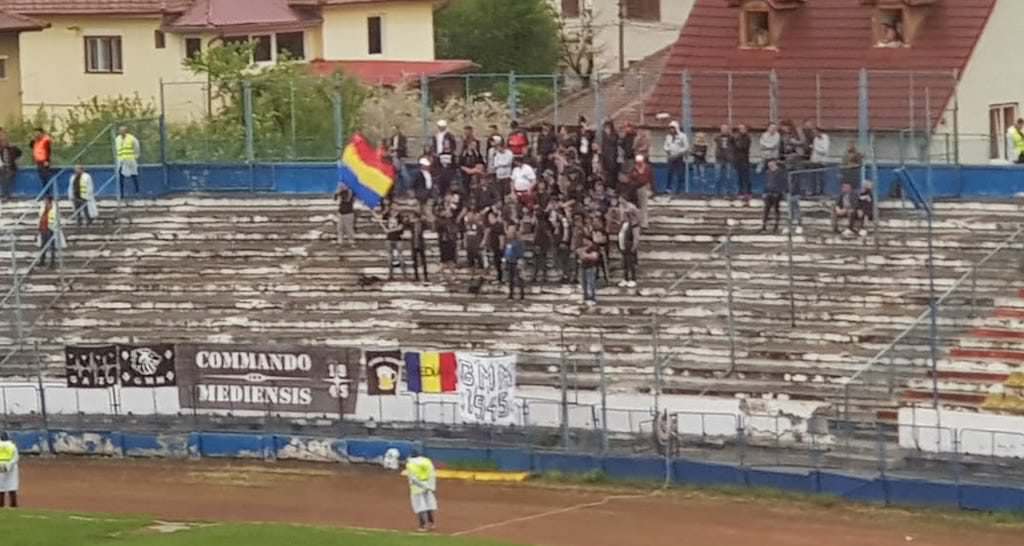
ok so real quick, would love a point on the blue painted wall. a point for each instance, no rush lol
(877, 489)
(319, 178)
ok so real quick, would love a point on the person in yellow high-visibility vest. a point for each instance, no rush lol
(1017, 137)
(128, 151)
(8, 471)
(422, 489)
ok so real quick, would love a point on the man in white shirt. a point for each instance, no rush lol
(523, 180)
(442, 136)
(677, 145)
(819, 156)
(501, 166)
(770, 144)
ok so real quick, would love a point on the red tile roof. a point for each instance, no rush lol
(66, 7)
(242, 15)
(346, 2)
(391, 73)
(12, 22)
(824, 43)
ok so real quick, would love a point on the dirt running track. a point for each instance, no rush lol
(366, 497)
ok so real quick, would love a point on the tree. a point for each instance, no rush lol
(500, 36)
(292, 109)
(579, 50)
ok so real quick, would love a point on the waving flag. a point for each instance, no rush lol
(368, 176)
(431, 372)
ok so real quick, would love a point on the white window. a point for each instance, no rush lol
(264, 50)
(3, 68)
(103, 54)
(890, 25)
(1001, 118)
(755, 28)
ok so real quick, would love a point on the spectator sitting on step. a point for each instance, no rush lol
(846, 207)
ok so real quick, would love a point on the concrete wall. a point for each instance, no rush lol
(991, 78)
(10, 86)
(783, 421)
(642, 38)
(271, 447)
(408, 31)
(932, 431)
(57, 86)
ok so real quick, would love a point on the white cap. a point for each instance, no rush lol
(442, 123)
(424, 162)
(640, 157)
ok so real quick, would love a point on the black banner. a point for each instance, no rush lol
(286, 378)
(146, 366)
(382, 372)
(92, 367)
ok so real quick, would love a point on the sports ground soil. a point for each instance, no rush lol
(546, 515)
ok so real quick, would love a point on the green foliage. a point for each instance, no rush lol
(520, 35)
(82, 124)
(56, 529)
(293, 110)
(530, 96)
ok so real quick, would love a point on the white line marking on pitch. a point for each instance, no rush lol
(555, 512)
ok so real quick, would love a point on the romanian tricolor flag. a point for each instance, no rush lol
(431, 372)
(368, 176)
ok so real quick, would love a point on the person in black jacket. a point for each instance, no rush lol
(724, 143)
(774, 188)
(346, 215)
(741, 161)
(547, 146)
(9, 155)
(610, 154)
(418, 246)
(542, 242)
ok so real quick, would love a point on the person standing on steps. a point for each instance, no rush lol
(513, 255)
(8, 471)
(774, 189)
(422, 489)
(128, 152)
(48, 230)
(83, 196)
(346, 215)
(42, 153)
(418, 246)
(590, 258)
(9, 155)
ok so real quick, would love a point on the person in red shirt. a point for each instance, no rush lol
(518, 140)
(42, 151)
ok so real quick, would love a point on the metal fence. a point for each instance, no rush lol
(912, 115)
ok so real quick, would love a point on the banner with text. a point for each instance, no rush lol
(90, 367)
(487, 388)
(284, 378)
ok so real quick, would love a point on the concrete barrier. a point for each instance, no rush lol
(876, 489)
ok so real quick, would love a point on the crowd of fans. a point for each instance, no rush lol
(553, 207)
(570, 205)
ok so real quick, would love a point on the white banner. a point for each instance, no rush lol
(487, 389)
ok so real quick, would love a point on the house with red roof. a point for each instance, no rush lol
(11, 27)
(901, 69)
(125, 47)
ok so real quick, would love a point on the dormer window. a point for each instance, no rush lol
(757, 30)
(889, 28)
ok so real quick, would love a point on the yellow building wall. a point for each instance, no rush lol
(10, 87)
(992, 77)
(54, 75)
(408, 31)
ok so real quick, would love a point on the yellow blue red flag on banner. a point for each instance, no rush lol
(368, 176)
